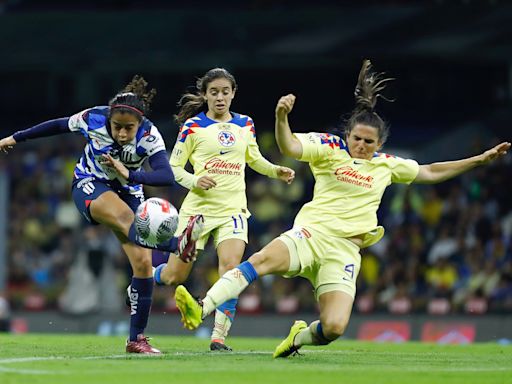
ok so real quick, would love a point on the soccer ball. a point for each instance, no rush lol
(156, 221)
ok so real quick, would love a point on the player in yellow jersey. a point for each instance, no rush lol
(328, 232)
(218, 143)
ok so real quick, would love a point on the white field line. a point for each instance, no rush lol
(25, 371)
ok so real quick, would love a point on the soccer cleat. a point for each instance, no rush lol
(187, 240)
(217, 345)
(191, 309)
(286, 348)
(141, 345)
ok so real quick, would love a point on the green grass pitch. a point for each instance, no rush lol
(93, 359)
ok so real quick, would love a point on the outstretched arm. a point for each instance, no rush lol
(438, 172)
(7, 143)
(288, 144)
(265, 167)
(48, 128)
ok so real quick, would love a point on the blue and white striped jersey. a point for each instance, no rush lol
(93, 124)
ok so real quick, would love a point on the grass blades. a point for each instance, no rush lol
(93, 359)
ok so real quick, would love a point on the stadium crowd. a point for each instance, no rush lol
(447, 247)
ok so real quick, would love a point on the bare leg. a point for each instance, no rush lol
(335, 311)
(108, 209)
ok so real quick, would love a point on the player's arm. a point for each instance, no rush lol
(45, 129)
(265, 167)
(438, 172)
(160, 175)
(179, 158)
(256, 161)
(288, 144)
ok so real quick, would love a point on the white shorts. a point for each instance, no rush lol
(221, 228)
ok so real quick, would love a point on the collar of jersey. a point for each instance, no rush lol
(203, 116)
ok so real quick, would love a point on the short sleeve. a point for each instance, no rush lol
(318, 146)
(253, 151)
(78, 122)
(184, 146)
(403, 170)
(153, 142)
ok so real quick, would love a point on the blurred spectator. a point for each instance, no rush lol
(5, 315)
(447, 247)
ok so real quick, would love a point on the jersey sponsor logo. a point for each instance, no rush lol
(224, 152)
(226, 139)
(222, 167)
(350, 175)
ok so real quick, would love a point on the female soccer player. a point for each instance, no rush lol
(328, 232)
(218, 143)
(107, 184)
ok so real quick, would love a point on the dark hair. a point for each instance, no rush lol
(369, 85)
(191, 103)
(134, 98)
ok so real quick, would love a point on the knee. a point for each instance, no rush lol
(125, 219)
(120, 222)
(141, 264)
(334, 327)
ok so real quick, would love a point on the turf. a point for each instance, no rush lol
(94, 359)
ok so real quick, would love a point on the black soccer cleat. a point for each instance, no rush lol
(220, 347)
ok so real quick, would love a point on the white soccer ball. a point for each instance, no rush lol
(156, 220)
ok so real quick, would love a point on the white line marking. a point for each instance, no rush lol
(26, 371)
(391, 368)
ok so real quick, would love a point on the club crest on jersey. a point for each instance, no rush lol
(226, 139)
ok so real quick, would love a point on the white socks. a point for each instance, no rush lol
(221, 327)
(307, 336)
(229, 286)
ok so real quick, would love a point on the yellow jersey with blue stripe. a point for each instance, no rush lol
(348, 191)
(221, 151)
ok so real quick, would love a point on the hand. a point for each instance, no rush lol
(286, 174)
(110, 162)
(7, 143)
(205, 183)
(285, 105)
(496, 152)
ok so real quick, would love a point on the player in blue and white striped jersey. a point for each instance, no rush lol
(107, 184)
